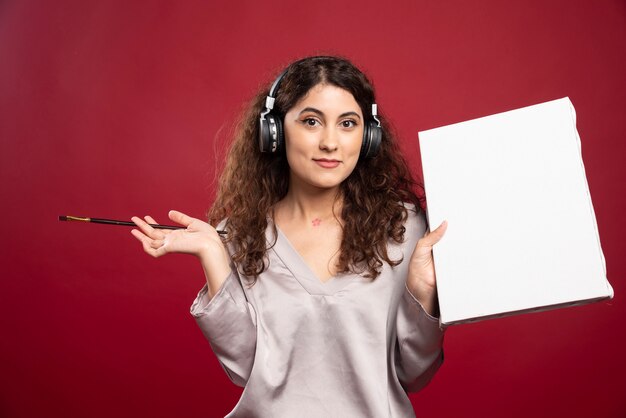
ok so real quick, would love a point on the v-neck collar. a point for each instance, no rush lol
(301, 270)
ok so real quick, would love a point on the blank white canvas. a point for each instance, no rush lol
(522, 233)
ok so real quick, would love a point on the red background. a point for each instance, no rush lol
(117, 108)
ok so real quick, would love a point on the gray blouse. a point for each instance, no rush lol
(349, 347)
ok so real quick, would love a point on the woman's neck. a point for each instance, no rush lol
(310, 205)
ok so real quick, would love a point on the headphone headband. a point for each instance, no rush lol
(271, 96)
(276, 84)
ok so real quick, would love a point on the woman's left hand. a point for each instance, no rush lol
(421, 280)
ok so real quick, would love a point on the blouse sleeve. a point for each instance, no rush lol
(227, 322)
(419, 349)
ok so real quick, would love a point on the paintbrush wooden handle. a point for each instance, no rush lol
(116, 222)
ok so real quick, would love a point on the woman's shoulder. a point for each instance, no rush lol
(415, 225)
(416, 219)
(221, 225)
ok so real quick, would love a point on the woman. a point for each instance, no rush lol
(320, 299)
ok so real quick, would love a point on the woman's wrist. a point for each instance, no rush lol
(426, 296)
(216, 266)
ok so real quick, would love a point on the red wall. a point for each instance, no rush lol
(117, 108)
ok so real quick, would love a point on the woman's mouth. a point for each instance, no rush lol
(326, 163)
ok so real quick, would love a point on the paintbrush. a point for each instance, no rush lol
(115, 222)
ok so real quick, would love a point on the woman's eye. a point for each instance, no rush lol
(310, 122)
(348, 123)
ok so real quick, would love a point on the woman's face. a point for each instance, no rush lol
(323, 135)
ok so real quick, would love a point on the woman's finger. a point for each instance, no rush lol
(146, 242)
(435, 236)
(137, 234)
(147, 229)
(149, 219)
(180, 218)
(156, 244)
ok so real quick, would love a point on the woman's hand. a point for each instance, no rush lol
(198, 238)
(421, 280)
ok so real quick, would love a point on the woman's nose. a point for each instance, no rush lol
(328, 140)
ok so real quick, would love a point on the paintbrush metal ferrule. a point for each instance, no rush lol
(73, 218)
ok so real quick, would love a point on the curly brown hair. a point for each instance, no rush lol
(374, 195)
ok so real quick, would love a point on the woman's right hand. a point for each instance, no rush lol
(198, 238)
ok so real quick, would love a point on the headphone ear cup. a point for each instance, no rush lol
(264, 135)
(372, 137)
(270, 134)
(280, 135)
(365, 144)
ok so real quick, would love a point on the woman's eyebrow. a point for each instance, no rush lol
(313, 110)
(321, 114)
(351, 113)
